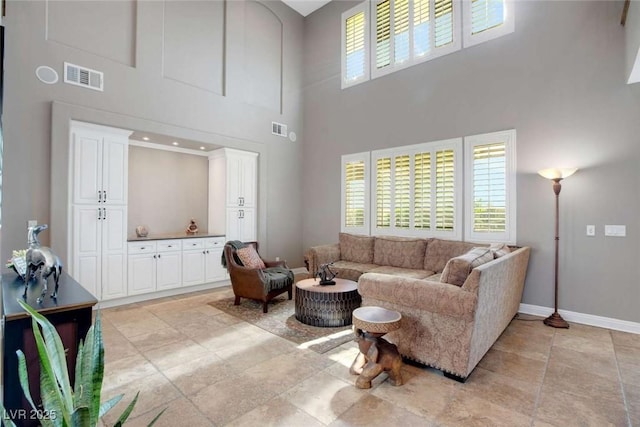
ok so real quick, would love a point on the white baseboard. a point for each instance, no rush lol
(585, 319)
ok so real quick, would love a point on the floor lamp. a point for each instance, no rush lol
(556, 175)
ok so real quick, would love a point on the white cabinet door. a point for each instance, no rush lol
(169, 270)
(114, 251)
(248, 181)
(87, 167)
(87, 253)
(193, 267)
(115, 152)
(214, 270)
(142, 273)
(234, 189)
(248, 232)
(234, 224)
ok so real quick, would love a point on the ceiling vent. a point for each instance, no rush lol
(85, 77)
(279, 129)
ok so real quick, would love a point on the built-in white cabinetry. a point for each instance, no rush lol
(98, 206)
(154, 266)
(201, 261)
(233, 182)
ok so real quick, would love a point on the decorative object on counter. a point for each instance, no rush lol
(18, 263)
(41, 257)
(141, 231)
(326, 275)
(193, 227)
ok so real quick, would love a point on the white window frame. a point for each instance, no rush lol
(434, 52)
(348, 158)
(509, 235)
(362, 7)
(507, 27)
(454, 144)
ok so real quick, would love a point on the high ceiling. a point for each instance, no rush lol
(305, 7)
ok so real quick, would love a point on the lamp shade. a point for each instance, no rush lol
(554, 173)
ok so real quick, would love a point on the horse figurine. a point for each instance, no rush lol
(39, 256)
(326, 275)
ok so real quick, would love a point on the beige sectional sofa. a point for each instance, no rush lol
(444, 325)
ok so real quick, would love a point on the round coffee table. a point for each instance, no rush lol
(326, 306)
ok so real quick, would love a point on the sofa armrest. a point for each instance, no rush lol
(322, 254)
(434, 297)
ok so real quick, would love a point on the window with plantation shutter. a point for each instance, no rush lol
(383, 192)
(486, 19)
(490, 187)
(402, 190)
(355, 193)
(422, 191)
(445, 190)
(355, 45)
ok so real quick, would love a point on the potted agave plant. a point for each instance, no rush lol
(62, 404)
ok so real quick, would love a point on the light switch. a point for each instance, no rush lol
(615, 230)
(32, 223)
(591, 230)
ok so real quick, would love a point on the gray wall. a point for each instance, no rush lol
(146, 89)
(166, 190)
(559, 80)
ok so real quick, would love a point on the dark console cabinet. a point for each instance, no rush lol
(70, 313)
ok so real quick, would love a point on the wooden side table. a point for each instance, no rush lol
(376, 355)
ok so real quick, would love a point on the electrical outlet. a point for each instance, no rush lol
(32, 223)
(591, 230)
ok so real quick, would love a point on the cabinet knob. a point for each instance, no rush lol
(154, 257)
(159, 255)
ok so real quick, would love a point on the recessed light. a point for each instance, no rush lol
(202, 148)
(175, 143)
(145, 138)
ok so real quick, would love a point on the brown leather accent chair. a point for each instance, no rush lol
(255, 283)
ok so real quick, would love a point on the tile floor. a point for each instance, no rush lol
(208, 368)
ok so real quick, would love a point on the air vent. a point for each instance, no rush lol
(85, 77)
(279, 129)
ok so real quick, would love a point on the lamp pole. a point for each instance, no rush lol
(555, 320)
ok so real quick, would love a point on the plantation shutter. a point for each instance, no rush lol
(401, 31)
(383, 34)
(354, 194)
(489, 188)
(445, 190)
(402, 187)
(421, 27)
(486, 14)
(355, 45)
(383, 192)
(443, 22)
(422, 191)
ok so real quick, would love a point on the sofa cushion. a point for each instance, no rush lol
(499, 249)
(356, 248)
(351, 270)
(402, 272)
(458, 268)
(440, 251)
(399, 252)
(250, 258)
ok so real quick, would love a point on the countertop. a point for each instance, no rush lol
(170, 236)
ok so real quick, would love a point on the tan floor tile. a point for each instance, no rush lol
(592, 333)
(562, 409)
(529, 325)
(503, 390)
(157, 338)
(513, 364)
(580, 382)
(199, 373)
(626, 339)
(632, 395)
(323, 396)
(466, 409)
(601, 364)
(276, 413)
(179, 412)
(123, 371)
(126, 314)
(583, 344)
(148, 325)
(628, 355)
(175, 353)
(533, 346)
(227, 400)
(630, 374)
(155, 394)
(425, 392)
(116, 346)
(371, 411)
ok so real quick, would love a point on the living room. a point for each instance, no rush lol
(559, 79)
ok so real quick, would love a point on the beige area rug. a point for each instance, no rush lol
(281, 321)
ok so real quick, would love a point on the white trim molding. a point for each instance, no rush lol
(585, 319)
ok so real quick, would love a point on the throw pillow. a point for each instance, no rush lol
(458, 268)
(250, 257)
(499, 249)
